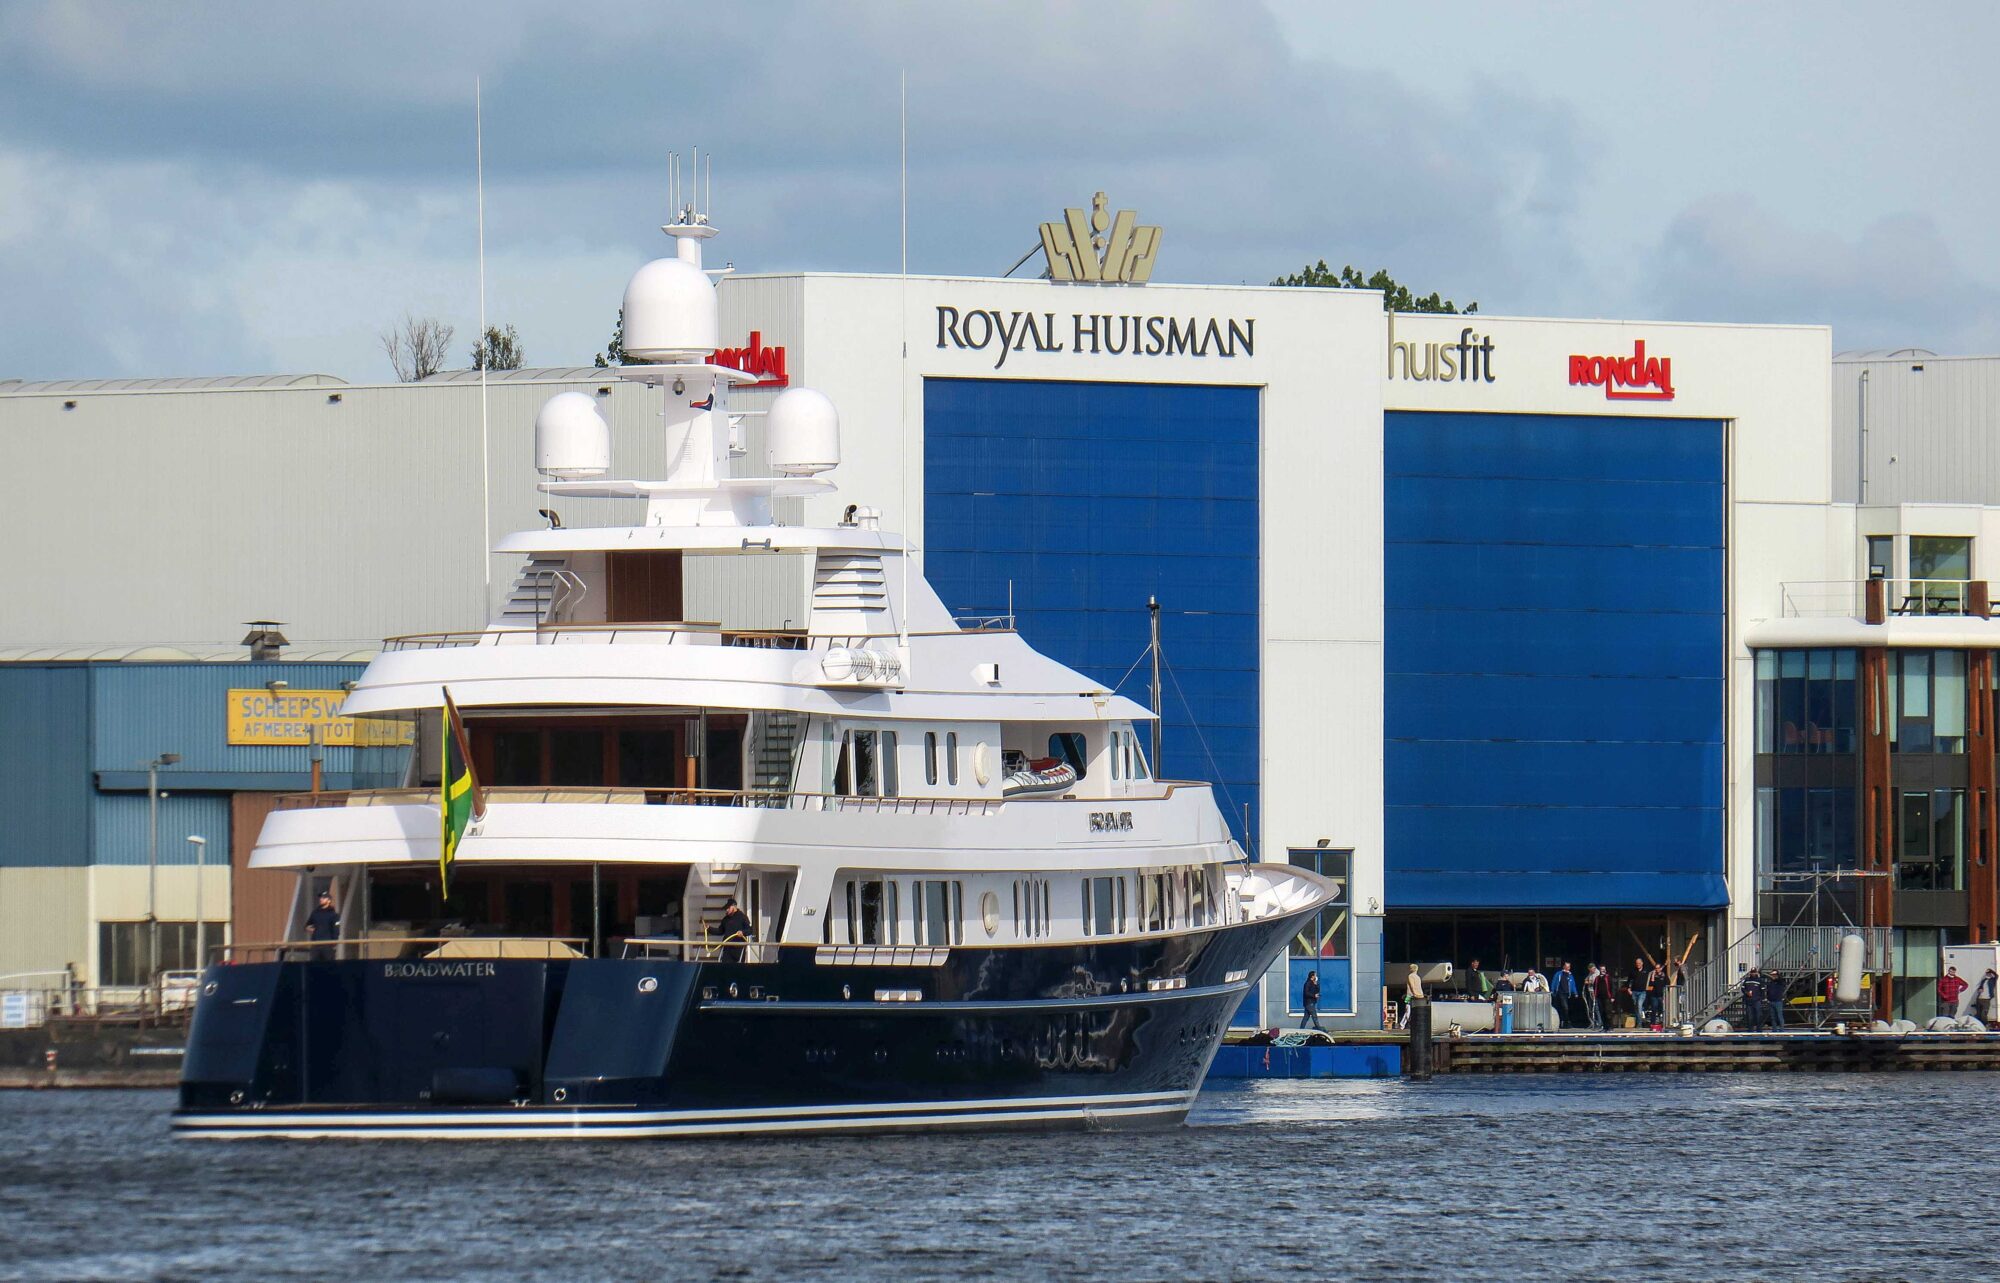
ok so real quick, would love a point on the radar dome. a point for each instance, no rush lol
(670, 309)
(572, 440)
(804, 431)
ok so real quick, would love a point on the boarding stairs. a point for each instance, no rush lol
(540, 593)
(1805, 955)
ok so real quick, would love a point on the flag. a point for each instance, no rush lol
(460, 801)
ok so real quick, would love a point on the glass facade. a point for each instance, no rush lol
(1806, 701)
(1927, 697)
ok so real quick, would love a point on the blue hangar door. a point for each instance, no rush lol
(1089, 497)
(1553, 706)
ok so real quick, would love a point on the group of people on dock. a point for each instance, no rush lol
(1598, 1000)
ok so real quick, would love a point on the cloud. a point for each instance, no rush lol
(1895, 283)
(254, 187)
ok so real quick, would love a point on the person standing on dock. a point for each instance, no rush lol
(1638, 988)
(1309, 999)
(1753, 999)
(1597, 994)
(1774, 1002)
(1562, 991)
(1476, 986)
(1982, 998)
(1950, 986)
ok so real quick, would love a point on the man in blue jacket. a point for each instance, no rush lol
(1753, 999)
(1562, 993)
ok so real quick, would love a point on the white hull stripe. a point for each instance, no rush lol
(551, 1115)
(435, 1126)
(974, 1006)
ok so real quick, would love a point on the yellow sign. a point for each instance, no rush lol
(288, 717)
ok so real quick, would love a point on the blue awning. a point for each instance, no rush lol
(1516, 890)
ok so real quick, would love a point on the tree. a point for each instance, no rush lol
(1395, 298)
(417, 347)
(501, 350)
(614, 352)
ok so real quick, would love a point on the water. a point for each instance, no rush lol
(1751, 1176)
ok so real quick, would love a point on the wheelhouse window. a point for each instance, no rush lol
(1324, 935)
(1068, 746)
(1103, 906)
(870, 905)
(1127, 762)
(940, 912)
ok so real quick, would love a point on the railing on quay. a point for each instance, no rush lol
(1710, 987)
(755, 799)
(29, 1001)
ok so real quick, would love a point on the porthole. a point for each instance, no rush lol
(648, 983)
(989, 913)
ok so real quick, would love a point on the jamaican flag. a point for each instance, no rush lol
(460, 801)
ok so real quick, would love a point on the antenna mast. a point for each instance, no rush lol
(485, 461)
(903, 372)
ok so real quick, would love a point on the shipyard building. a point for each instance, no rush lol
(1548, 639)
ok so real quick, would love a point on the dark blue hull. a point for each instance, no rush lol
(1074, 1035)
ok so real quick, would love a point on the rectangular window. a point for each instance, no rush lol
(1881, 556)
(1939, 567)
(1324, 935)
(939, 906)
(1103, 906)
(891, 783)
(1117, 755)
(1031, 908)
(930, 757)
(871, 911)
(951, 758)
(1152, 902)
(125, 950)
(1948, 701)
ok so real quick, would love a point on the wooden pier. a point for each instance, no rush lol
(1807, 1051)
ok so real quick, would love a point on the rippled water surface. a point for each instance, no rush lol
(1723, 1177)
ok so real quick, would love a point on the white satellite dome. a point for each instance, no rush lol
(572, 440)
(670, 309)
(803, 429)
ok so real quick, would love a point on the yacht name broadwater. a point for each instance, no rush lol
(436, 970)
(1093, 333)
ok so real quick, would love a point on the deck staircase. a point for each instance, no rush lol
(538, 590)
(775, 740)
(715, 885)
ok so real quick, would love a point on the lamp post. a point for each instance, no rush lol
(153, 861)
(200, 845)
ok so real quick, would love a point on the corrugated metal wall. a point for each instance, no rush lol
(121, 826)
(1933, 429)
(349, 519)
(44, 766)
(1090, 497)
(141, 710)
(1554, 629)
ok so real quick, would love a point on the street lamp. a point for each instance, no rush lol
(200, 845)
(153, 858)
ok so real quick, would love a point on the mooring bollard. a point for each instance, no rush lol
(1420, 1040)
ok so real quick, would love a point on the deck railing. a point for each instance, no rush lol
(1848, 598)
(754, 799)
(676, 633)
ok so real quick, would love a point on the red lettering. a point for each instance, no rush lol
(768, 363)
(1616, 373)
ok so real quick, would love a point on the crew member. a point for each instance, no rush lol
(323, 923)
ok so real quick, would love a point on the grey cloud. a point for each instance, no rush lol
(1895, 283)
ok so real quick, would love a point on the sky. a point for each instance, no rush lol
(239, 188)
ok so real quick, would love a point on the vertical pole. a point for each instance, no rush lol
(485, 463)
(1983, 895)
(596, 909)
(1159, 713)
(152, 871)
(1420, 1040)
(200, 927)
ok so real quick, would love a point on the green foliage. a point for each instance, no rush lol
(614, 352)
(500, 350)
(1395, 298)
